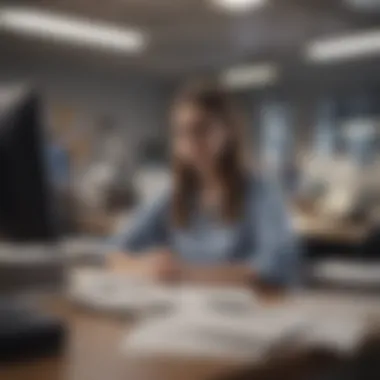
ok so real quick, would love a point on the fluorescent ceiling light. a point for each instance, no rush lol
(364, 5)
(248, 76)
(238, 5)
(82, 32)
(344, 47)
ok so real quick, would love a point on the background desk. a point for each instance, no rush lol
(324, 238)
(314, 227)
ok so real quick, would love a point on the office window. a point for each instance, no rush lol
(325, 136)
(359, 130)
(276, 136)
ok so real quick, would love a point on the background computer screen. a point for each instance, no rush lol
(26, 213)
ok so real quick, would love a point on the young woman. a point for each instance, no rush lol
(218, 222)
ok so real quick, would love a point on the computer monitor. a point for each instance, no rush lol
(26, 213)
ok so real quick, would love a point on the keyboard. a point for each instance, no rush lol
(29, 254)
(27, 334)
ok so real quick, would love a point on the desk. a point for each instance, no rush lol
(317, 228)
(92, 353)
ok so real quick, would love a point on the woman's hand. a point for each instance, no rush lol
(160, 265)
(228, 274)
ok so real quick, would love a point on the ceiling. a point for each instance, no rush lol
(188, 36)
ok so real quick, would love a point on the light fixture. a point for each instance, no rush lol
(250, 76)
(364, 5)
(238, 5)
(346, 47)
(76, 31)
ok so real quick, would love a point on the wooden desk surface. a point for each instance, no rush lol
(314, 227)
(93, 353)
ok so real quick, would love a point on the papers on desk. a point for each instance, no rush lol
(338, 320)
(222, 322)
(247, 336)
(206, 333)
(210, 322)
(115, 293)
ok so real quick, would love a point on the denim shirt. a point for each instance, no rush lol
(261, 238)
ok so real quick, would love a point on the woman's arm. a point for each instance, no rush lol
(225, 274)
(155, 265)
(272, 254)
(145, 230)
(141, 247)
(276, 259)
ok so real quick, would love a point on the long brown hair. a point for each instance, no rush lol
(214, 100)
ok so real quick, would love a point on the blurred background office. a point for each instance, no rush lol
(306, 73)
(99, 78)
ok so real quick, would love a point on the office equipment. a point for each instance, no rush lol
(25, 334)
(27, 225)
(28, 219)
(26, 213)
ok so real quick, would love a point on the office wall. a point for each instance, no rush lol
(135, 105)
(138, 105)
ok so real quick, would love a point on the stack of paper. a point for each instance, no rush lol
(189, 320)
(111, 292)
(201, 329)
(206, 332)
